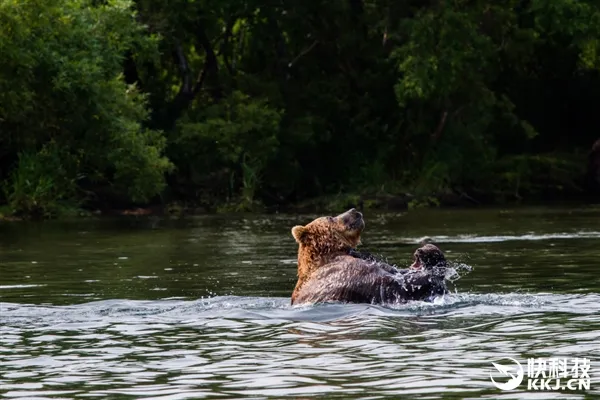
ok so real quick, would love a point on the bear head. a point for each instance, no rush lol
(430, 259)
(326, 238)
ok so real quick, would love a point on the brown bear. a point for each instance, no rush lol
(329, 269)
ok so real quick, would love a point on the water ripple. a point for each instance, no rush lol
(114, 309)
(263, 347)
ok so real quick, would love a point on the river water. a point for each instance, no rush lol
(199, 308)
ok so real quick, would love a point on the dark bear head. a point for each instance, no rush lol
(431, 259)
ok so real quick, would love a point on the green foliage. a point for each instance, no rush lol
(242, 106)
(535, 174)
(33, 190)
(244, 135)
(445, 58)
(61, 87)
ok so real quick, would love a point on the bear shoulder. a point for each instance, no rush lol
(380, 261)
(352, 279)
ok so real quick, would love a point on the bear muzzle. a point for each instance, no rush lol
(352, 219)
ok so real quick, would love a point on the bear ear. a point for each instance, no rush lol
(297, 232)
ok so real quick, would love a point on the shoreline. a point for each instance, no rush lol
(323, 204)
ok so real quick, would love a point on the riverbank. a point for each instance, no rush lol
(380, 201)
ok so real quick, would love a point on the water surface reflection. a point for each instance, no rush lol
(200, 308)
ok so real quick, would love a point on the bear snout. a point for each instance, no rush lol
(350, 215)
(352, 219)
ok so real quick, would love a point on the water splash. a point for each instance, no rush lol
(457, 270)
(107, 312)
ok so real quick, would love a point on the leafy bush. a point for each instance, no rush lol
(65, 107)
(39, 185)
(242, 135)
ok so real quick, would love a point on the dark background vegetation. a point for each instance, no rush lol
(246, 104)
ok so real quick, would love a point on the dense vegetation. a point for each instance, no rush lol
(234, 104)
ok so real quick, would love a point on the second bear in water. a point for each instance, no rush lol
(330, 270)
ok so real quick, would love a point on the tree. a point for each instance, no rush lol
(70, 124)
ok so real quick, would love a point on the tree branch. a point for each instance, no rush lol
(303, 53)
(184, 69)
(200, 79)
(438, 131)
(211, 65)
(226, 46)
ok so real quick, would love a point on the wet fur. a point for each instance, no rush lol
(366, 256)
(354, 280)
(329, 269)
